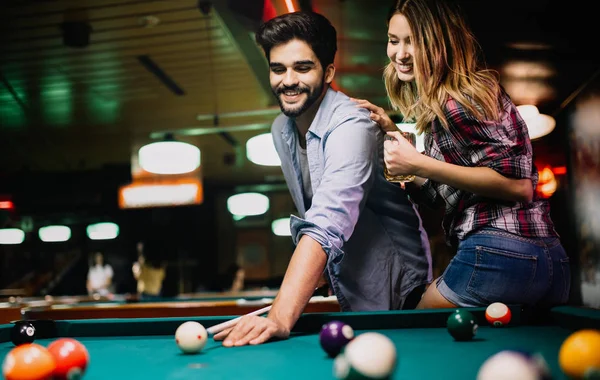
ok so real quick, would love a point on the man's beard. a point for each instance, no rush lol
(310, 100)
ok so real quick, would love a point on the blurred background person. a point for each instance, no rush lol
(149, 273)
(100, 276)
(237, 273)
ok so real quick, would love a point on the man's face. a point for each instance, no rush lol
(297, 77)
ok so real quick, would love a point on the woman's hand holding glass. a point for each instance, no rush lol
(396, 172)
(400, 156)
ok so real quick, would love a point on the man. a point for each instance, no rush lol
(353, 224)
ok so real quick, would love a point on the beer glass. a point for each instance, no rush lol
(401, 178)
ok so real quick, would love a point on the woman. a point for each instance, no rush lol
(477, 161)
(100, 276)
(149, 275)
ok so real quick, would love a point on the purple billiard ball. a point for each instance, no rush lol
(334, 336)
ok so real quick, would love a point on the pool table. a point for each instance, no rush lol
(165, 308)
(9, 312)
(131, 298)
(207, 303)
(145, 348)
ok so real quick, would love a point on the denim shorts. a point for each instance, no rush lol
(493, 265)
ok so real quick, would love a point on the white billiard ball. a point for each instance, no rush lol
(509, 365)
(498, 314)
(370, 355)
(191, 337)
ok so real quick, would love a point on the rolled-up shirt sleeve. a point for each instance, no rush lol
(502, 146)
(350, 159)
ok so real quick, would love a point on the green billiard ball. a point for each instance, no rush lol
(592, 374)
(462, 325)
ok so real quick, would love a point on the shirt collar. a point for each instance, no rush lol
(320, 123)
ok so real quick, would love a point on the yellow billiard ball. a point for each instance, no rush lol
(579, 353)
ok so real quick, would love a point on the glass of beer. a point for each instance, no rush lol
(401, 178)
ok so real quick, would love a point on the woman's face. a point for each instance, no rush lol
(400, 47)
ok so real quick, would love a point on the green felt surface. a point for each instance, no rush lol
(145, 348)
(422, 354)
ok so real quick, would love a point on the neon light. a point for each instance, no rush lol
(7, 205)
(290, 6)
(185, 191)
(560, 170)
(547, 184)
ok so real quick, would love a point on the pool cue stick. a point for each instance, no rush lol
(225, 325)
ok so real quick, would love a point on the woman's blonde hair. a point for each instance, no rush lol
(446, 64)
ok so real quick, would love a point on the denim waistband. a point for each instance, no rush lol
(547, 241)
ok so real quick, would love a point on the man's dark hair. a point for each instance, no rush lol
(310, 27)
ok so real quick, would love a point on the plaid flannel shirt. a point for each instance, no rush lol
(503, 146)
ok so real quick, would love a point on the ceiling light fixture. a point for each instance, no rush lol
(53, 234)
(281, 227)
(148, 21)
(290, 6)
(11, 236)
(538, 124)
(247, 204)
(169, 157)
(261, 150)
(102, 231)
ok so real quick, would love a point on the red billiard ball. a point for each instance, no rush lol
(334, 336)
(71, 357)
(498, 314)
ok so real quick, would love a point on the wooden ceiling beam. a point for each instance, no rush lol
(98, 61)
(240, 36)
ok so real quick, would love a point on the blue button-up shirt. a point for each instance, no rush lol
(376, 246)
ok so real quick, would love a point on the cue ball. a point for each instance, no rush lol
(334, 336)
(370, 355)
(22, 332)
(508, 365)
(191, 337)
(498, 314)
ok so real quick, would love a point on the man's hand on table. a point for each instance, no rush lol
(252, 330)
